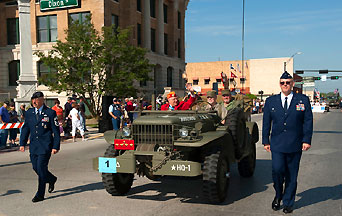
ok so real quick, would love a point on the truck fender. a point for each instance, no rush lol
(253, 131)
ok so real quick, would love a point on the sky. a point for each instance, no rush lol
(273, 29)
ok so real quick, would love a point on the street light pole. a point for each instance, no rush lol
(285, 63)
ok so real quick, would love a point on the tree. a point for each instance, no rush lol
(93, 65)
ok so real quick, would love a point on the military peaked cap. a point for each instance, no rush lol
(37, 95)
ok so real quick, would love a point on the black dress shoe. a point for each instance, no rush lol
(51, 186)
(276, 204)
(37, 199)
(287, 209)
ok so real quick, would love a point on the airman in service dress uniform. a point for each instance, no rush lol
(290, 117)
(41, 125)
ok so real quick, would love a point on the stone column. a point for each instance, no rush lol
(27, 80)
(160, 31)
(147, 25)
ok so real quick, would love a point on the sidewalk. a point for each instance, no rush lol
(91, 134)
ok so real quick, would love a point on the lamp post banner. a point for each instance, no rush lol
(57, 4)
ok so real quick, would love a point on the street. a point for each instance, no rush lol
(79, 189)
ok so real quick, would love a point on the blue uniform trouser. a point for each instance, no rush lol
(40, 166)
(285, 168)
(3, 137)
(116, 123)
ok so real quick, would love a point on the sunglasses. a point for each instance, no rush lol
(287, 83)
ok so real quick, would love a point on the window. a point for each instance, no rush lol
(165, 44)
(179, 48)
(13, 72)
(181, 80)
(206, 81)
(139, 34)
(218, 81)
(116, 0)
(165, 13)
(153, 8)
(44, 70)
(195, 82)
(12, 3)
(143, 83)
(81, 17)
(47, 28)
(13, 36)
(169, 77)
(115, 21)
(139, 5)
(179, 20)
(153, 40)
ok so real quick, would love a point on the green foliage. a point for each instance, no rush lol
(251, 96)
(92, 65)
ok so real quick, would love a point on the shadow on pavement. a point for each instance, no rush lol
(328, 132)
(319, 194)
(78, 189)
(189, 190)
(14, 164)
(10, 192)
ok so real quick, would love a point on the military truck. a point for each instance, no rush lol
(180, 143)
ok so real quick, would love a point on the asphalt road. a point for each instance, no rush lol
(79, 189)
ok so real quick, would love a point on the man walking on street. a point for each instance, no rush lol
(41, 125)
(290, 116)
(4, 118)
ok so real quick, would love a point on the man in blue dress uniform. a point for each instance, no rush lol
(289, 116)
(41, 125)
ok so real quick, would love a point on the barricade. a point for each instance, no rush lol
(11, 125)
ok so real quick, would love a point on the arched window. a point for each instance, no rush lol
(13, 72)
(169, 76)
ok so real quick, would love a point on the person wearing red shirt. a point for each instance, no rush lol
(174, 104)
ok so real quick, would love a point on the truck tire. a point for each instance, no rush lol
(216, 176)
(116, 183)
(236, 123)
(246, 166)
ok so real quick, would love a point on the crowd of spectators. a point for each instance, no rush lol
(70, 119)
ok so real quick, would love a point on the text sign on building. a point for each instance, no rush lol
(57, 4)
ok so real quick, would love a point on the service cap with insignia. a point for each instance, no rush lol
(286, 75)
(226, 92)
(211, 94)
(37, 95)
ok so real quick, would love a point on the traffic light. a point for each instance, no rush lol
(334, 77)
(317, 78)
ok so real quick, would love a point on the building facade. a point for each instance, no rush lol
(255, 76)
(157, 25)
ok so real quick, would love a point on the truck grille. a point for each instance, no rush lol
(154, 134)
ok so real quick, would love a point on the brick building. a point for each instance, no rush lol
(257, 74)
(157, 25)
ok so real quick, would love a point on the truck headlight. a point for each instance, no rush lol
(126, 132)
(183, 132)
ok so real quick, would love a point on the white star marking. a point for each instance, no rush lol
(173, 167)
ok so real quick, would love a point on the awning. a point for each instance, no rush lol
(206, 78)
(194, 78)
(218, 77)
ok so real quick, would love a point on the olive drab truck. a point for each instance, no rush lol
(180, 143)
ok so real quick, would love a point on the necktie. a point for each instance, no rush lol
(285, 104)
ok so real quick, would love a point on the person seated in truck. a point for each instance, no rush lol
(174, 104)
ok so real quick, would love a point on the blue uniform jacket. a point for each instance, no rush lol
(289, 130)
(43, 130)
